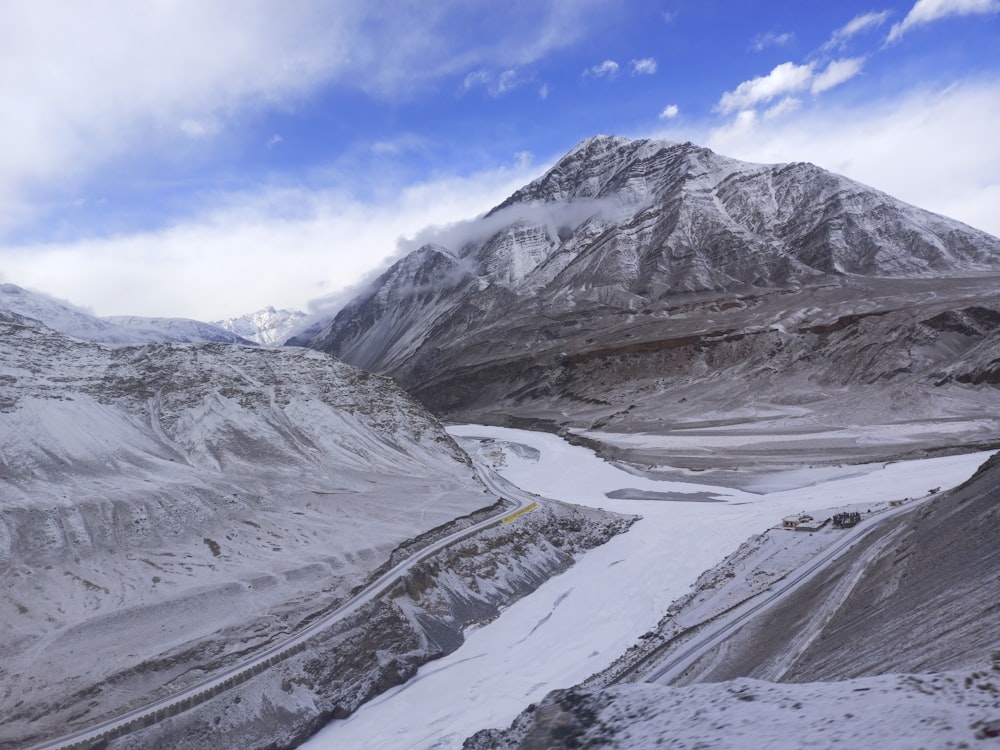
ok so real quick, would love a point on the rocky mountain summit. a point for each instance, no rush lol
(633, 269)
(267, 326)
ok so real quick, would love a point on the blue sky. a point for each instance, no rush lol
(205, 158)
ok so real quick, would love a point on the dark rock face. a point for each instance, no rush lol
(643, 257)
(927, 602)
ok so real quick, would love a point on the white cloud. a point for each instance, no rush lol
(669, 112)
(607, 69)
(200, 128)
(274, 140)
(83, 84)
(646, 66)
(836, 73)
(476, 78)
(857, 25)
(771, 39)
(934, 148)
(543, 91)
(785, 106)
(279, 245)
(495, 85)
(506, 81)
(786, 78)
(784, 81)
(927, 11)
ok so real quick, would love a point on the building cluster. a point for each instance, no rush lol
(846, 520)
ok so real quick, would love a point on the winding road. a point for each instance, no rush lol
(237, 674)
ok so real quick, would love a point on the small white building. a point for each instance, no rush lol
(801, 522)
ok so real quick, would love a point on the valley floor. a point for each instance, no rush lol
(581, 621)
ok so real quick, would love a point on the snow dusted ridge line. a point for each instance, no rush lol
(197, 694)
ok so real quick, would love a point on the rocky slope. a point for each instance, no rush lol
(638, 284)
(166, 509)
(927, 602)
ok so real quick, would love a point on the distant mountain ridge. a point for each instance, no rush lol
(637, 247)
(267, 326)
(72, 321)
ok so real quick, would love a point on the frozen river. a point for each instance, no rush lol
(579, 622)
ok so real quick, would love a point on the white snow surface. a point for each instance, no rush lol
(267, 327)
(579, 622)
(891, 712)
(157, 500)
(74, 321)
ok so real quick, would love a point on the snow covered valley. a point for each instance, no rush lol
(170, 510)
(580, 622)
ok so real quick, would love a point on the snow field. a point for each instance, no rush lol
(579, 622)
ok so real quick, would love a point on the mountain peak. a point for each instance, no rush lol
(619, 228)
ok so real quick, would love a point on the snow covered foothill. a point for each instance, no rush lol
(74, 321)
(581, 621)
(895, 712)
(166, 508)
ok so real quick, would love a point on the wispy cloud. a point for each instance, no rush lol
(237, 235)
(116, 82)
(645, 66)
(606, 69)
(204, 128)
(670, 112)
(857, 25)
(927, 11)
(836, 73)
(786, 106)
(786, 78)
(771, 39)
(476, 78)
(496, 84)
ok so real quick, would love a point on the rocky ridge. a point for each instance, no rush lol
(420, 619)
(633, 269)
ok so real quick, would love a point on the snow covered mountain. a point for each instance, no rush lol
(168, 511)
(268, 327)
(72, 321)
(166, 508)
(632, 268)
